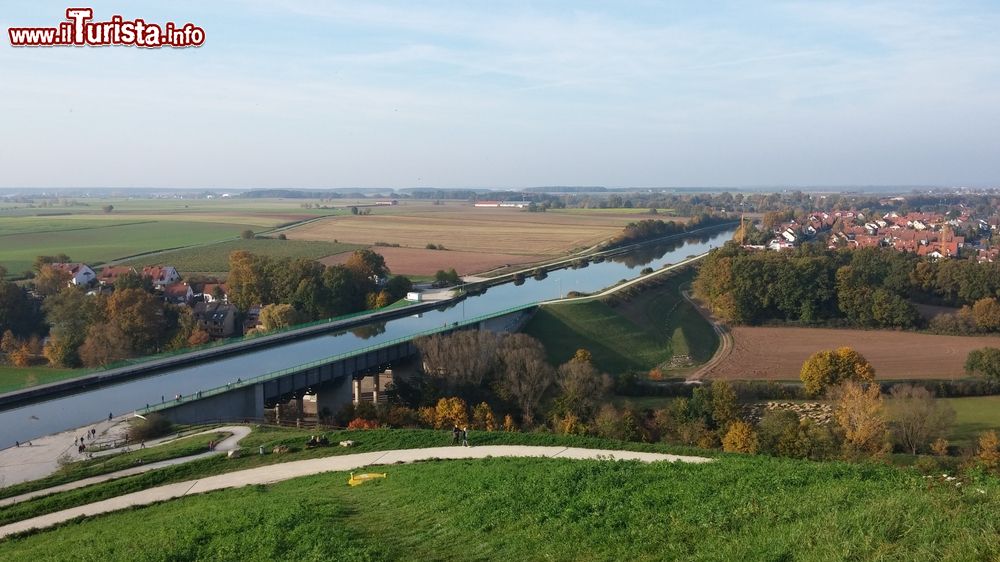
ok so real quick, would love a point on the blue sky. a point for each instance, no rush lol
(302, 93)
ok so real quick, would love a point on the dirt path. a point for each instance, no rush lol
(285, 471)
(725, 340)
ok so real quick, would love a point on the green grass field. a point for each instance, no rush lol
(215, 257)
(14, 378)
(105, 243)
(641, 334)
(973, 415)
(737, 508)
(85, 233)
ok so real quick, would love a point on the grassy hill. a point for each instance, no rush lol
(639, 334)
(751, 508)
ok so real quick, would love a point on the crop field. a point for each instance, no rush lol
(423, 262)
(214, 258)
(736, 508)
(466, 228)
(778, 353)
(137, 226)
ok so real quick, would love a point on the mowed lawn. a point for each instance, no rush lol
(105, 243)
(215, 257)
(736, 508)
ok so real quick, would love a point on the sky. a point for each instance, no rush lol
(630, 93)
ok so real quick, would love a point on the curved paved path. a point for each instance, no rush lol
(229, 443)
(725, 340)
(285, 471)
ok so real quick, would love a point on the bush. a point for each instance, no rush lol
(155, 425)
(246, 235)
(361, 423)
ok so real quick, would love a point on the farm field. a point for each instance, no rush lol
(738, 507)
(463, 227)
(215, 257)
(778, 353)
(973, 415)
(88, 234)
(424, 262)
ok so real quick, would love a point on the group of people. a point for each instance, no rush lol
(460, 435)
(315, 441)
(81, 442)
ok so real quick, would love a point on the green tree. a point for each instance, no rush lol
(69, 314)
(247, 234)
(984, 362)
(50, 280)
(825, 369)
(725, 407)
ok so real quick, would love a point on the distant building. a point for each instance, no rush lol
(178, 293)
(387, 203)
(216, 318)
(161, 275)
(80, 273)
(212, 292)
(110, 274)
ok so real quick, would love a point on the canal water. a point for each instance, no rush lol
(67, 412)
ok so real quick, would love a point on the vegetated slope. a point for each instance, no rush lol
(751, 508)
(638, 332)
(616, 343)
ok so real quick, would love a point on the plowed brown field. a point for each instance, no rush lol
(463, 227)
(417, 261)
(778, 353)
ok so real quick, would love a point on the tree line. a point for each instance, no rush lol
(866, 287)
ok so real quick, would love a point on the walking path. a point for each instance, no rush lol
(725, 340)
(228, 444)
(285, 471)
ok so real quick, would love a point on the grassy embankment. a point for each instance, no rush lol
(645, 332)
(269, 437)
(752, 508)
(16, 378)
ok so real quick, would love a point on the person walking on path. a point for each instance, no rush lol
(109, 416)
(455, 432)
(465, 436)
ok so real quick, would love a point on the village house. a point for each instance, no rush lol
(110, 274)
(212, 292)
(80, 274)
(216, 318)
(161, 275)
(178, 293)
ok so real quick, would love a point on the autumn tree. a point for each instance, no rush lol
(525, 375)
(451, 412)
(826, 369)
(245, 280)
(988, 451)
(278, 316)
(725, 407)
(69, 314)
(104, 344)
(740, 438)
(50, 280)
(984, 362)
(483, 418)
(860, 414)
(986, 313)
(461, 361)
(917, 417)
(138, 318)
(582, 387)
(366, 264)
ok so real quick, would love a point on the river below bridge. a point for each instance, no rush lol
(88, 406)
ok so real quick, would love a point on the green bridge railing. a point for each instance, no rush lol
(240, 383)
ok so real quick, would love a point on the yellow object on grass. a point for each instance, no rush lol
(362, 478)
